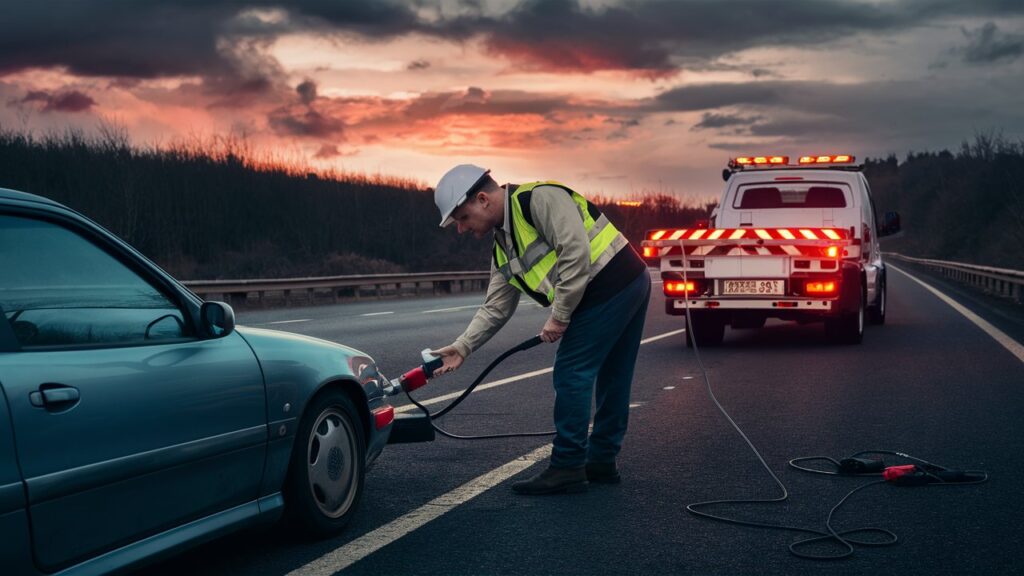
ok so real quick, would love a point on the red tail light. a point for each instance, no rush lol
(820, 287)
(679, 288)
(383, 416)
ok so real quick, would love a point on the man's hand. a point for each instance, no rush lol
(451, 357)
(552, 330)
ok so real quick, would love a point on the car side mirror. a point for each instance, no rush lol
(890, 224)
(217, 319)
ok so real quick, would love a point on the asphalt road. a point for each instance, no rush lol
(929, 383)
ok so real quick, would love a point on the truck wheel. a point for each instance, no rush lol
(848, 328)
(325, 478)
(708, 328)
(876, 313)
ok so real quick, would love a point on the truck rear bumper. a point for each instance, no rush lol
(790, 304)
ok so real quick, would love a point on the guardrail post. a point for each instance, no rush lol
(287, 298)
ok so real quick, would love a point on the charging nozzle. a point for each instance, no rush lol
(417, 377)
(413, 379)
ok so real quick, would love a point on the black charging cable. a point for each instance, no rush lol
(926, 474)
(526, 345)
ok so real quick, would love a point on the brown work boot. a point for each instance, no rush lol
(603, 473)
(554, 481)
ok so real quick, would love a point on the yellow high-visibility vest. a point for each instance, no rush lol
(529, 264)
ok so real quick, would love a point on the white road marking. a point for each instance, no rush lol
(660, 336)
(449, 309)
(687, 377)
(376, 313)
(350, 553)
(289, 321)
(1001, 337)
(669, 388)
(361, 547)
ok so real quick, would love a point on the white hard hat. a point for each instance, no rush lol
(454, 187)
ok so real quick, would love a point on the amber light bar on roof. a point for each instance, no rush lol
(833, 159)
(761, 160)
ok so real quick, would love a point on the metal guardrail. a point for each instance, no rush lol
(1000, 281)
(238, 292)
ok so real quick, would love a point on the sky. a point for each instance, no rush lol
(612, 97)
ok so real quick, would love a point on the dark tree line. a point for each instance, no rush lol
(965, 206)
(211, 210)
(215, 209)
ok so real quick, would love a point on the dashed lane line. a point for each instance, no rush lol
(376, 314)
(450, 309)
(1001, 337)
(290, 321)
(662, 336)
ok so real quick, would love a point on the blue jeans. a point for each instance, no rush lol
(601, 346)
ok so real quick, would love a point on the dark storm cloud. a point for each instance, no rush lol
(70, 101)
(217, 41)
(875, 112)
(988, 45)
(327, 151)
(476, 101)
(151, 39)
(307, 91)
(710, 96)
(712, 120)
(658, 36)
(305, 123)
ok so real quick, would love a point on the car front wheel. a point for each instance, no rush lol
(325, 480)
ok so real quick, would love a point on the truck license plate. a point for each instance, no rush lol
(753, 287)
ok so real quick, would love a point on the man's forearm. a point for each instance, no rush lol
(499, 305)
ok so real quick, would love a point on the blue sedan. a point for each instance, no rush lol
(137, 420)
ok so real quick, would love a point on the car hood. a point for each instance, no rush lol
(278, 338)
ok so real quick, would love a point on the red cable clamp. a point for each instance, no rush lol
(892, 473)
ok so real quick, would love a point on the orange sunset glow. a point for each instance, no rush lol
(616, 97)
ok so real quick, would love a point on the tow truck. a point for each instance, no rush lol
(796, 242)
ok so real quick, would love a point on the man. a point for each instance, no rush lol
(557, 248)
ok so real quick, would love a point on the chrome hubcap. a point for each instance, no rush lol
(331, 457)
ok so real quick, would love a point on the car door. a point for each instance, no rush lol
(126, 423)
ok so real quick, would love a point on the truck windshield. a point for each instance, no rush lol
(791, 195)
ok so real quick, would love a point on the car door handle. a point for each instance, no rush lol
(54, 396)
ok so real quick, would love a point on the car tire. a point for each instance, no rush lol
(849, 327)
(707, 328)
(876, 313)
(328, 465)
